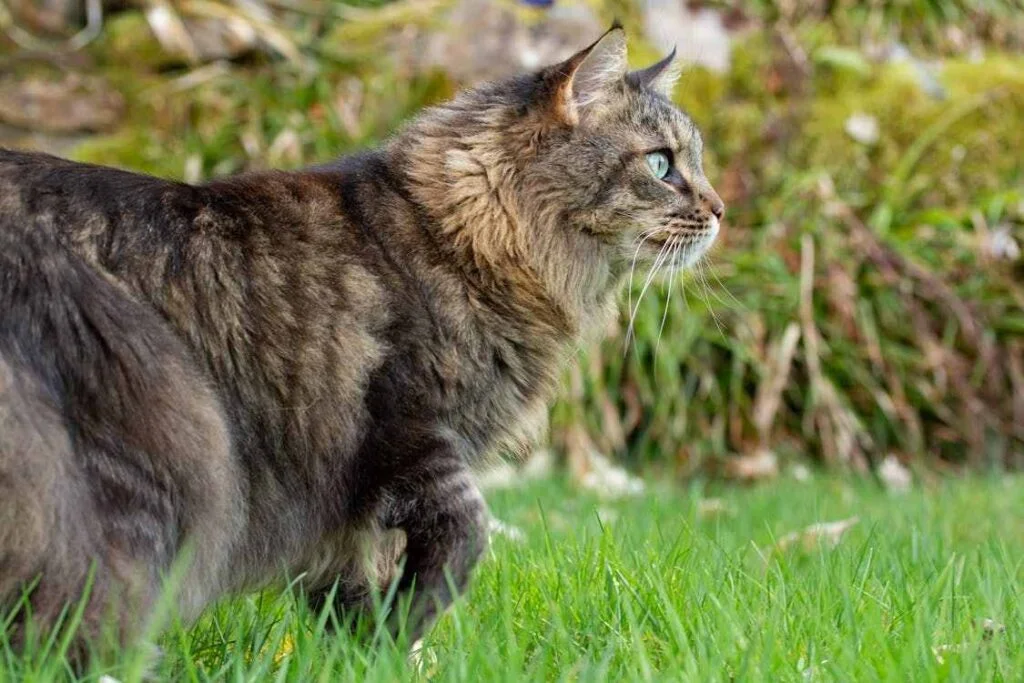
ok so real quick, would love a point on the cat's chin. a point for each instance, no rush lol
(702, 244)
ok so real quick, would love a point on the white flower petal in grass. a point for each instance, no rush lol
(826, 534)
(863, 128)
(500, 528)
(608, 480)
(895, 477)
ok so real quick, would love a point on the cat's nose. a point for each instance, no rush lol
(712, 203)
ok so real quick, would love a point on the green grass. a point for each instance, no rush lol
(651, 589)
(655, 590)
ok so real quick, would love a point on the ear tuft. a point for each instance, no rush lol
(589, 74)
(660, 77)
(603, 67)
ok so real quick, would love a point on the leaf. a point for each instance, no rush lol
(843, 59)
(763, 464)
(827, 534)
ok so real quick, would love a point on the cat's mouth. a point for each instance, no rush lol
(681, 247)
(697, 238)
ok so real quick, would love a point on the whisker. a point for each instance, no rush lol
(681, 275)
(640, 298)
(707, 301)
(632, 269)
(647, 282)
(711, 270)
(668, 299)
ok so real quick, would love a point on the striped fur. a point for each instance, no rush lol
(271, 375)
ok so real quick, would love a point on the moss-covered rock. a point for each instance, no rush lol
(128, 42)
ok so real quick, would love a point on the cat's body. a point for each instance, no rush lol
(327, 341)
(272, 371)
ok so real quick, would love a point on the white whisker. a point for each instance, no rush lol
(711, 270)
(668, 299)
(641, 239)
(643, 290)
(707, 301)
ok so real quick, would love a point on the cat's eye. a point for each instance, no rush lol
(659, 163)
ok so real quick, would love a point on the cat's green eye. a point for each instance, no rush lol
(659, 164)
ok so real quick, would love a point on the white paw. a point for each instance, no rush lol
(423, 659)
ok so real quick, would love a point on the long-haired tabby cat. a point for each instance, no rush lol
(268, 373)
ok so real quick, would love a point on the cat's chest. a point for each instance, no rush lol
(498, 397)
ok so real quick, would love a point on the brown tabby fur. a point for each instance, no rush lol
(266, 373)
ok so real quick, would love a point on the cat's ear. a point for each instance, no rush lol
(660, 77)
(590, 74)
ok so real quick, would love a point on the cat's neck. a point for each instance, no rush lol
(557, 277)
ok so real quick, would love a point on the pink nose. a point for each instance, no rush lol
(712, 203)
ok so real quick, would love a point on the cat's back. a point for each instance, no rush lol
(121, 219)
(39, 191)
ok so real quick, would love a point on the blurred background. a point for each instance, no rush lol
(863, 310)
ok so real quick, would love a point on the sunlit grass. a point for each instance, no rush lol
(651, 588)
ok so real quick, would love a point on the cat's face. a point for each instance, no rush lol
(631, 162)
(651, 200)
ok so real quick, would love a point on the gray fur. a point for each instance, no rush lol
(271, 374)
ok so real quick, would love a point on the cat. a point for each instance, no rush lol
(266, 376)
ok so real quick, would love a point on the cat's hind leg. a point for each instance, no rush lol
(54, 557)
(351, 574)
(114, 453)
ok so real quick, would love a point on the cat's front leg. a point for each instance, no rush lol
(444, 517)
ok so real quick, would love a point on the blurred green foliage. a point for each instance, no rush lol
(857, 305)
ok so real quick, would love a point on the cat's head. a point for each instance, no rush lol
(578, 171)
(622, 158)
(623, 161)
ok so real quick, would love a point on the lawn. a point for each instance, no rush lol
(856, 307)
(677, 584)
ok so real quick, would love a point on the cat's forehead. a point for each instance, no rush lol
(650, 121)
(652, 113)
